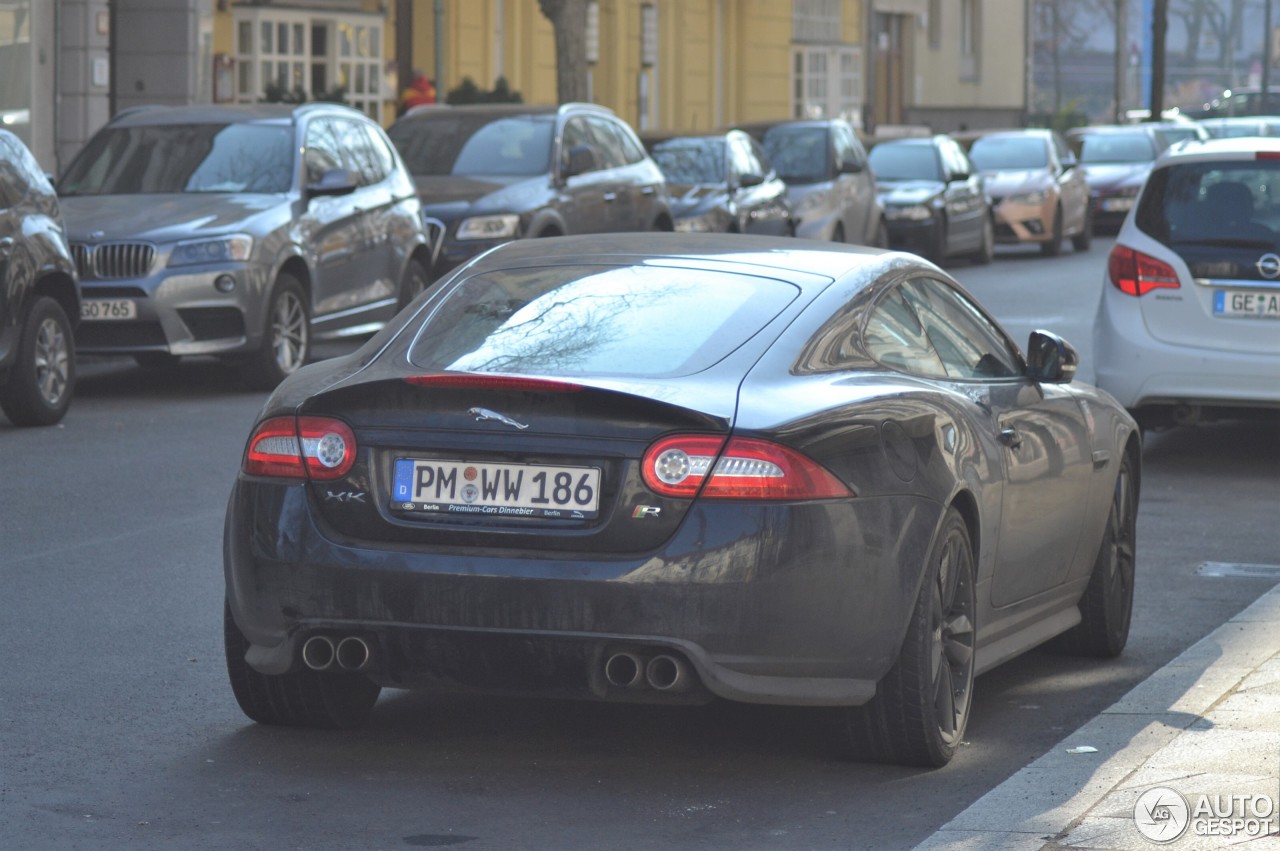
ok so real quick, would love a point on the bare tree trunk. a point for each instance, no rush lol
(569, 19)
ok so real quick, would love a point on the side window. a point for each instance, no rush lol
(895, 337)
(575, 134)
(322, 149)
(608, 145)
(969, 344)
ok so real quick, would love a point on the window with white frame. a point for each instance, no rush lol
(970, 38)
(288, 54)
(827, 82)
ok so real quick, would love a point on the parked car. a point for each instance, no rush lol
(829, 181)
(722, 183)
(1116, 161)
(242, 232)
(496, 172)
(933, 198)
(1037, 188)
(39, 293)
(668, 469)
(1189, 323)
(1244, 125)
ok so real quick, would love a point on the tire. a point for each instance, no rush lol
(987, 251)
(43, 378)
(415, 281)
(1053, 247)
(156, 360)
(303, 698)
(286, 341)
(1082, 240)
(921, 708)
(1106, 607)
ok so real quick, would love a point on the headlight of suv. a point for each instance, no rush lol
(911, 213)
(1027, 198)
(696, 224)
(222, 249)
(489, 227)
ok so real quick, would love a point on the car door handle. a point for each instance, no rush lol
(1010, 437)
(610, 196)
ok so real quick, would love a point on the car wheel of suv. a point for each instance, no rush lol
(1053, 247)
(921, 707)
(414, 282)
(286, 342)
(987, 250)
(1082, 240)
(303, 698)
(43, 377)
(1107, 605)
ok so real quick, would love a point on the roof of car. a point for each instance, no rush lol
(1241, 147)
(223, 113)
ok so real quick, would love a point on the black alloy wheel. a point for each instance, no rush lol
(1106, 607)
(921, 708)
(42, 380)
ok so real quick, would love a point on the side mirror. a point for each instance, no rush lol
(581, 160)
(1051, 359)
(335, 181)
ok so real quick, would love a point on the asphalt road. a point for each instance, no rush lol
(118, 729)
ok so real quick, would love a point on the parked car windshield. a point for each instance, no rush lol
(691, 160)
(1116, 148)
(1009, 153)
(798, 154)
(516, 145)
(597, 320)
(905, 162)
(169, 158)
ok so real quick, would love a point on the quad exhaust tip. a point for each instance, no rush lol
(352, 653)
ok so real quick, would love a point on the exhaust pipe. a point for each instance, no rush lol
(352, 653)
(624, 670)
(318, 652)
(667, 673)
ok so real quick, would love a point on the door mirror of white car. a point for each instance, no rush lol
(1051, 359)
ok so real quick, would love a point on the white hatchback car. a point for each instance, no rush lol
(1189, 323)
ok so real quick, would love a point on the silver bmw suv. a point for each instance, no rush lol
(243, 232)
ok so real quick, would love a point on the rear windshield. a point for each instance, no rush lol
(1009, 153)
(597, 320)
(691, 160)
(799, 154)
(514, 145)
(1235, 202)
(169, 158)
(905, 162)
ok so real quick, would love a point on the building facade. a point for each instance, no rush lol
(672, 65)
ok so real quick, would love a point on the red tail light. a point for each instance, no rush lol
(471, 381)
(681, 466)
(1134, 273)
(318, 447)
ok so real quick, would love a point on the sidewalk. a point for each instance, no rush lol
(1198, 742)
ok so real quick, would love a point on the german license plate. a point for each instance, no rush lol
(1255, 304)
(496, 490)
(107, 309)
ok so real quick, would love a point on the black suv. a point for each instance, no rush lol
(39, 295)
(488, 174)
(241, 232)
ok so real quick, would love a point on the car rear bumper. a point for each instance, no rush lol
(772, 603)
(1141, 371)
